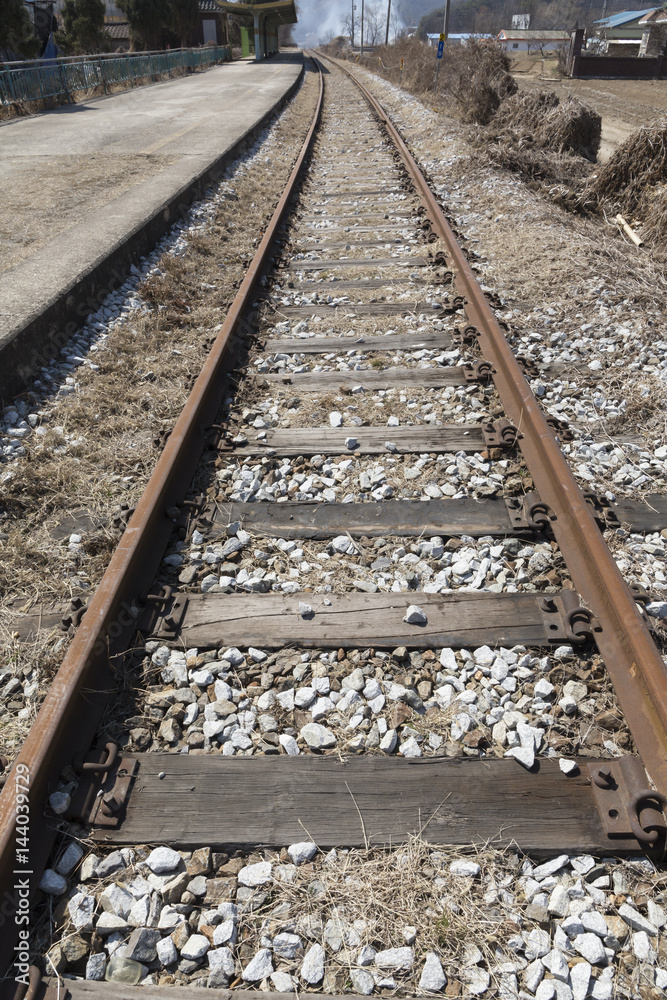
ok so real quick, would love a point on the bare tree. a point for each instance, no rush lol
(397, 23)
(347, 24)
(375, 24)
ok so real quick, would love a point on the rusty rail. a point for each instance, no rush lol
(68, 717)
(636, 669)
(66, 721)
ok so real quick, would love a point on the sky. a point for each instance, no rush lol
(321, 18)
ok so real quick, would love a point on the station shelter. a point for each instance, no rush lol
(267, 18)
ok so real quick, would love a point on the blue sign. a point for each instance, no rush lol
(441, 46)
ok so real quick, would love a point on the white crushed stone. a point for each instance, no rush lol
(515, 706)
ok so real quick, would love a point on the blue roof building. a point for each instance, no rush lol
(624, 18)
(621, 31)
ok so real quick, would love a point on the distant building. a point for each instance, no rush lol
(116, 27)
(620, 33)
(213, 27)
(625, 21)
(526, 40)
(457, 38)
(119, 35)
(657, 16)
(654, 33)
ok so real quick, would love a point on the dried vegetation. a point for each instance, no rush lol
(479, 80)
(541, 120)
(476, 76)
(634, 180)
(387, 895)
(551, 143)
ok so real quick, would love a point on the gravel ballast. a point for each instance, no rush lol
(411, 919)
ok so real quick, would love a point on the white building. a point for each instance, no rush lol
(523, 40)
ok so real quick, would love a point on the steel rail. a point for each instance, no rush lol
(53, 737)
(636, 669)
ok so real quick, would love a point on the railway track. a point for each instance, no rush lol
(314, 602)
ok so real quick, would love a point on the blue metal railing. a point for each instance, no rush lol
(35, 80)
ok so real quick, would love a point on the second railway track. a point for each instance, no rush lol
(351, 625)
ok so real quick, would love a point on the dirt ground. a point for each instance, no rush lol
(625, 105)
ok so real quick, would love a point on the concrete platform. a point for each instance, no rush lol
(142, 157)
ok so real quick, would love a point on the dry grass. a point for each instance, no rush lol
(653, 212)
(374, 895)
(558, 251)
(645, 410)
(314, 408)
(36, 662)
(558, 176)
(572, 125)
(474, 77)
(542, 120)
(640, 163)
(549, 142)
(481, 80)
(633, 180)
(94, 469)
(383, 897)
(19, 109)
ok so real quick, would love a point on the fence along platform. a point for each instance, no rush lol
(33, 81)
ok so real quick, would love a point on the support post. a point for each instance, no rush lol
(10, 82)
(574, 53)
(445, 32)
(63, 81)
(258, 38)
(362, 30)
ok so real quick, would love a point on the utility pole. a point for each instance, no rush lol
(386, 37)
(352, 22)
(443, 39)
(362, 28)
